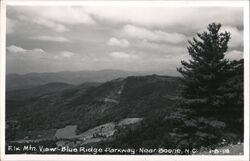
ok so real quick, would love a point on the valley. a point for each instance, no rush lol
(67, 136)
(89, 112)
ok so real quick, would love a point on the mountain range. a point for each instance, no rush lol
(115, 111)
(17, 81)
(56, 105)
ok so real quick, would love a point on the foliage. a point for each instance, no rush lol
(86, 107)
(207, 70)
(213, 85)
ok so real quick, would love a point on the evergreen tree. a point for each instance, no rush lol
(233, 98)
(213, 86)
(207, 70)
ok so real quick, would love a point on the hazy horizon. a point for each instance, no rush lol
(166, 73)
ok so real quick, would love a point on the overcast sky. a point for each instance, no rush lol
(49, 39)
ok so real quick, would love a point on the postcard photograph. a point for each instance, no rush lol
(124, 80)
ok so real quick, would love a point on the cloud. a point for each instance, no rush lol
(116, 42)
(158, 50)
(67, 54)
(55, 18)
(17, 49)
(123, 56)
(55, 26)
(195, 17)
(50, 24)
(51, 38)
(66, 15)
(236, 36)
(234, 55)
(183, 17)
(10, 25)
(37, 50)
(127, 38)
(63, 14)
(155, 35)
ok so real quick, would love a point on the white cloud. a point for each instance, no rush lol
(10, 25)
(38, 50)
(234, 55)
(67, 54)
(41, 21)
(54, 18)
(17, 49)
(51, 38)
(50, 24)
(67, 15)
(62, 14)
(158, 50)
(155, 35)
(123, 56)
(116, 42)
(236, 36)
(155, 38)
(195, 17)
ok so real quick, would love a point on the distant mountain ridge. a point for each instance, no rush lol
(17, 81)
(22, 94)
(89, 105)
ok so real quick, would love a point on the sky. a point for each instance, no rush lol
(73, 38)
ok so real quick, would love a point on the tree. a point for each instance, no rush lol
(213, 85)
(233, 97)
(207, 70)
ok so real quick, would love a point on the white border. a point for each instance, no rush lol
(242, 3)
(2, 75)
